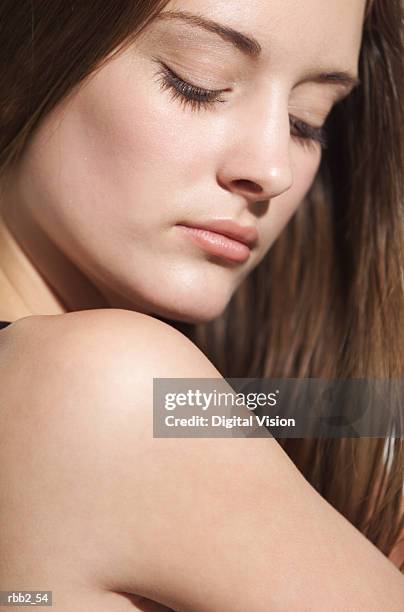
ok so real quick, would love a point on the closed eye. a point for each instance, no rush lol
(198, 98)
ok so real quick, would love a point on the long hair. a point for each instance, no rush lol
(327, 301)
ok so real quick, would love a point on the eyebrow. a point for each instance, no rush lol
(250, 47)
(247, 45)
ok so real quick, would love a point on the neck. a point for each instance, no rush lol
(22, 289)
(35, 276)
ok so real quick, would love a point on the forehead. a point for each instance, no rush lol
(301, 34)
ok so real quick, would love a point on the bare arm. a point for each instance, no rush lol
(196, 524)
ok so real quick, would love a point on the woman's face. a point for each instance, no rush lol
(115, 170)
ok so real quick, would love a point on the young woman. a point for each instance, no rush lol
(136, 136)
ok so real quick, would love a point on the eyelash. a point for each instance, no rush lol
(197, 98)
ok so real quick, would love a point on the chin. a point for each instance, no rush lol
(192, 313)
(191, 310)
(195, 301)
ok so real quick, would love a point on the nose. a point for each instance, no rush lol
(257, 161)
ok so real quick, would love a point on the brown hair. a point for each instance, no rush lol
(328, 299)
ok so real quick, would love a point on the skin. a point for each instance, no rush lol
(89, 214)
(104, 508)
(110, 173)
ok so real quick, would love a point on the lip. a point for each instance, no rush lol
(223, 238)
(242, 233)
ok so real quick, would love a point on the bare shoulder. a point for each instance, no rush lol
(194, 524)
(76, 422)
(112, 331)
(97, 351)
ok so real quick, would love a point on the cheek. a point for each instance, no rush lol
(105, 155)
(129, 123)
(134, 127)
(128, 147)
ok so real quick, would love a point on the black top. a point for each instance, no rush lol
(4, 324)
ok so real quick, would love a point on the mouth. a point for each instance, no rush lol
(223, 238)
